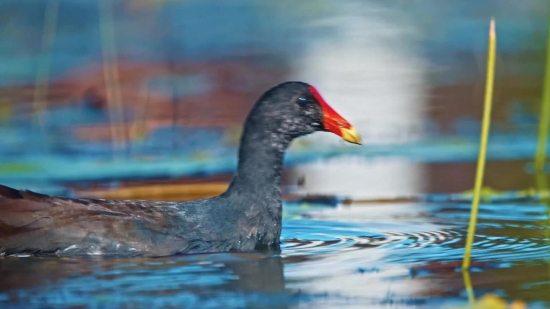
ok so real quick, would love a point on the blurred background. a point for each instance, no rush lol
(98, 95)
(146, 99)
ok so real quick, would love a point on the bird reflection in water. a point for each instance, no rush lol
(218, 280)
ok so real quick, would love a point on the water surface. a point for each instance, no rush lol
(396, 255)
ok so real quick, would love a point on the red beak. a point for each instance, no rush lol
(335, 123)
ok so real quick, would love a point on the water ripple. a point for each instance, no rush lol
(505, 233)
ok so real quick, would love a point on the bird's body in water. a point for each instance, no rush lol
(245, 218)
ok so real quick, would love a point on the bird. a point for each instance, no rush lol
(247, 217)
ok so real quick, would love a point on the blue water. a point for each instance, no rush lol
(392, 255)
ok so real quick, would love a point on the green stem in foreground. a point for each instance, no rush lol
(483, 144)
(468, 286)
(544, 122)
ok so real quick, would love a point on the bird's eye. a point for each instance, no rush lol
(302, 100)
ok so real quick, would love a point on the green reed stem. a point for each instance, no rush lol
(111, 74)
(540, 157)
(483, 143)
(40, 102)
(544, 122)
(468, 285)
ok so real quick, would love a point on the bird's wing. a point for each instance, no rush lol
(34, 222)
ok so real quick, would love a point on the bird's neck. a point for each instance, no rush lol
(261, 156)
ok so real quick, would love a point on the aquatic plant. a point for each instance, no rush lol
(544, 122)
(483, 143)
(40, 103)
(111, 74)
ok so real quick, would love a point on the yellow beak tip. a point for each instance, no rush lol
(350, 135)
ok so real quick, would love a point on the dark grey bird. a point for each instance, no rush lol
(245, 218)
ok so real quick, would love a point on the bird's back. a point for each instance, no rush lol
(37, 224)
